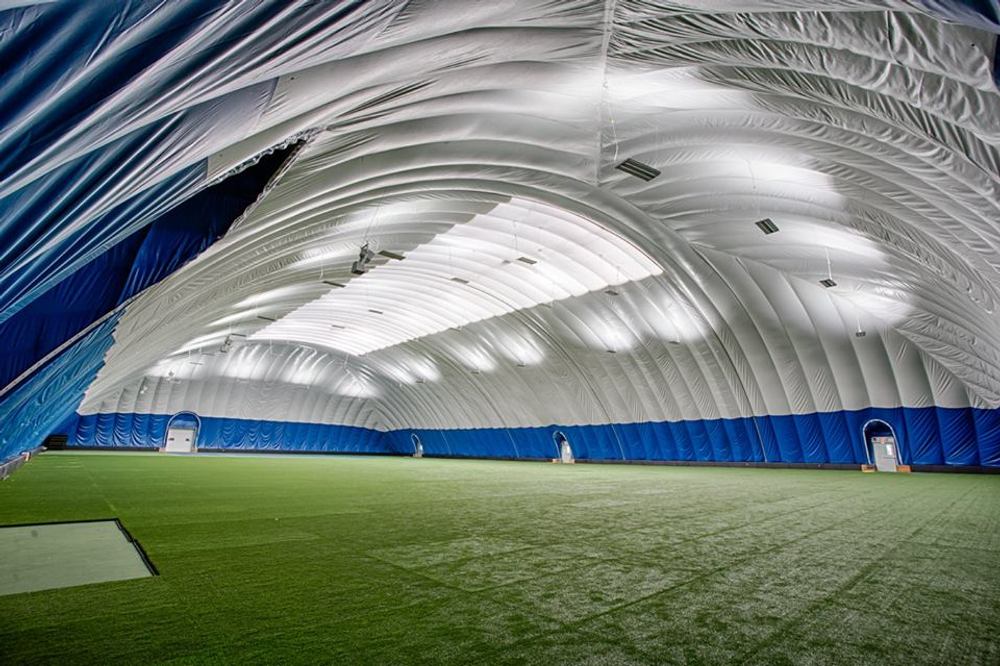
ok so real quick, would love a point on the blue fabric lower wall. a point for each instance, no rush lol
(148, 431)
(32, 410)
(927, 436)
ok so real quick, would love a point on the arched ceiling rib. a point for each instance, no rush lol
(868, 136)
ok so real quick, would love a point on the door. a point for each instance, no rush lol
(884, 453)
(179, 440)
(565, 452)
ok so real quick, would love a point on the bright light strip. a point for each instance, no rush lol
(418, 297)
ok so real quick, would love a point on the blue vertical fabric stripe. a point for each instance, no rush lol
(128, 267)
(144, 431)
(36, 407)
(926, 436)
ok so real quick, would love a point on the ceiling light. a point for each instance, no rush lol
(391, 255)
(527, 260)
(266, 318)
(767, 225)
(460, 280)
(339, 285)
(828, 282)
(638, 169)
(612, 292)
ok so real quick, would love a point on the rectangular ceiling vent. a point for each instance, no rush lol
(339, 327)
(638, 169)
(391, 255)
(828, 282)
(339, 285)
(375, 311)
(266, 318)
(460, 280)
(527, 260)
(767, 225)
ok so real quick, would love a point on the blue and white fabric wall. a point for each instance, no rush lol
(541, 285)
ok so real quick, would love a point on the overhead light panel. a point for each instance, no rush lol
(638, 169)
(391, 255)
(767, 225)
(828, 282)
(460, 280)
(339, 285)
(265, 318)
(375, 311)
(612, 292)
(527, 260)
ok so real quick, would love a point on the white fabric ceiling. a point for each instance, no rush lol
(465, 135)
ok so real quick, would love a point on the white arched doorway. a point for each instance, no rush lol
(418, 446)
(881, 445)
(563, 447)
(182, 433)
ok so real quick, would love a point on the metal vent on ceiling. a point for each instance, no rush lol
(828, 282)
(638, 169)
(767, 225)
(339, 285)
(527, 260)
(391, 255)
(860, 334)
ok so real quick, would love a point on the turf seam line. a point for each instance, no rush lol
(712, 572)
(851, 582)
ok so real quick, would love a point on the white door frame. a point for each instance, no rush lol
(864, 437)
(197, 429)
(559, 438)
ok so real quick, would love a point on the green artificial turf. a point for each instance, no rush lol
(389, 560)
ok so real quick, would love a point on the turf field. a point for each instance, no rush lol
(388, 560)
